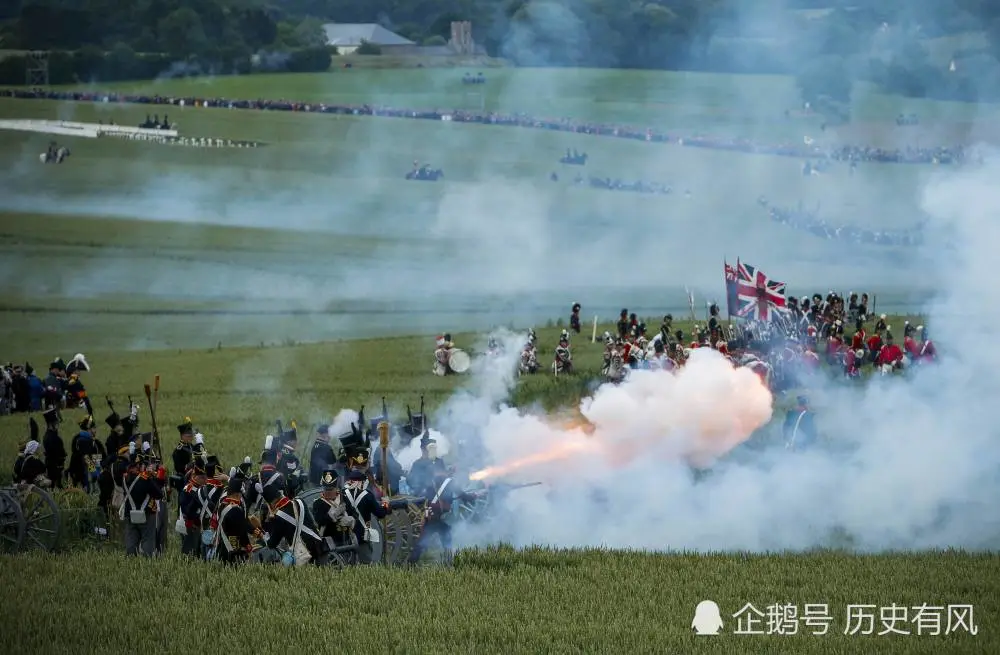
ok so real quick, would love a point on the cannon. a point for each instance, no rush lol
(29, 519)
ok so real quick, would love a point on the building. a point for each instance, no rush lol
(348, 37)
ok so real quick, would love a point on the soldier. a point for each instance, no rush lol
(366, 509)
(55, 450)
(119, 467)
(623, 324)
(440, 496)
(269, 476)
(442, 354)
(289, 464)
(139, 509)
(193, 510)
(86, 453)
(183, 454)
(235, 531)
(714, 324)
(574, 318)
(422, 472)
(799, 429)
(563, 362)
(322, 457)
(30, 469)
(334, 519)
(285, 518)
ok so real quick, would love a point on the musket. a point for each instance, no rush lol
(383, 440)
(152, 418)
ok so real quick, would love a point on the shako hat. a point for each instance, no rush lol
(186, 428)
(51, 417)
(113, 420)
(355, 475)
(87, 422)
(235, 485)
(329, 479)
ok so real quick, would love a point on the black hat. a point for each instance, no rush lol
(358, 458)
(51, 417)
(87, 422)
(802, 400)
(329, 479)
(290, 435)
(658, 346)
(355, 474)
(198, 468)
(353, 441)
(272, 492)
(28, 369)
(576, 307)
(235, 485)
(58, 364)
(624, 312)
(33, 428)
(113, 420)
(323, 429)
(426, 440)
(187, 427)
(268, 457)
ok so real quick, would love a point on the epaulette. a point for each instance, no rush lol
(144, 475)
(231, 501)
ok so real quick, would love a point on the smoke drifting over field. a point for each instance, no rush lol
(907, 463)
(501, 229)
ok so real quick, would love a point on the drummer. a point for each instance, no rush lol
(442, 355)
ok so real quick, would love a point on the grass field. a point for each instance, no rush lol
(500, 601)
(239, 276)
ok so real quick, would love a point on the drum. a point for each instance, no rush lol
(459, 361)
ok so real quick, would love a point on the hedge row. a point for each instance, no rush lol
(90, 65)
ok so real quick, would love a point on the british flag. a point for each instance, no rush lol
(757, 294)
(732, 290)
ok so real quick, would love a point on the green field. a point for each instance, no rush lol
(307, 276)
(499, 225)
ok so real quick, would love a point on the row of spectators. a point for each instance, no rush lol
(909, 154)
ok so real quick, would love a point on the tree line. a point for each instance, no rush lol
(827, 44)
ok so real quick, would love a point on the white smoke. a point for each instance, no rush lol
(902, 463)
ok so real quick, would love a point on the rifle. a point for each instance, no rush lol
(152, 418)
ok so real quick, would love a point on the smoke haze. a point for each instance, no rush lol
(905, 462)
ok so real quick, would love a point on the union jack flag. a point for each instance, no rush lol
(757, 294)
(732, 290)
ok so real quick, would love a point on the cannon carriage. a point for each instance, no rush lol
(29, 519)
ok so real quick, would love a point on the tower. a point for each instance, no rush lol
(37, 68)
(461, 38)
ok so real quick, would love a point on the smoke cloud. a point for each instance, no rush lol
(903, 463)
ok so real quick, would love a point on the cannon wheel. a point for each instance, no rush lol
(12, 526)
(474, 510)
(41, 518)
(403, 529)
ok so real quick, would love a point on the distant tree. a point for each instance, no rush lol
(120, 62)
(367, 48)
(436, 40)
(182, 34)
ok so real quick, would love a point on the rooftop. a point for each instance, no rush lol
(353, 34)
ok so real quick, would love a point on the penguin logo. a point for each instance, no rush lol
(707, 619)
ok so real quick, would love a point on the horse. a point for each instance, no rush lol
(60, 154)
(426, 174)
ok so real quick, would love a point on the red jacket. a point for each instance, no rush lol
(890, 354)
(874, 343)
(911, 347)
(928, 352)
(851, 363)
(858, 340)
